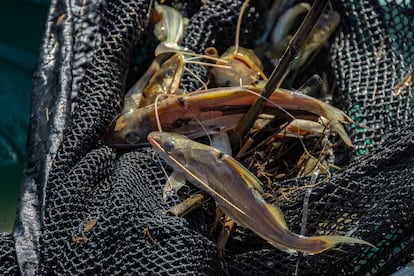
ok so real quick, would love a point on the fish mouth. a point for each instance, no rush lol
(112, 139)
(114, 142)
(155, 140)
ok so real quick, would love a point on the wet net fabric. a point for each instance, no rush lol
(8, 260)
(87, 208)
(371, 55)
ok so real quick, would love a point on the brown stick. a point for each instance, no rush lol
(224, 235)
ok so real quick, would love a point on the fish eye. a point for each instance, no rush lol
(169, 73)
(169, 146)
(132, 137)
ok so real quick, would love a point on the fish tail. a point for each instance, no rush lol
(342, 133)
(336, 116)
(323, 243)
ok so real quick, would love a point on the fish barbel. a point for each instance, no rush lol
(216, 110)
(239, 196)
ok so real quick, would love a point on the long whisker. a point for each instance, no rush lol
(186, 53)
(315, 175)
(202, 126)
(164, 171)
(239, 20)
(207, 64)
(157, 117)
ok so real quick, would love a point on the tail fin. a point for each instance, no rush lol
(327, 242)
(336, 116)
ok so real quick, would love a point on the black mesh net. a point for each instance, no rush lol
(87, 208)
(374, 52)
(8, 255)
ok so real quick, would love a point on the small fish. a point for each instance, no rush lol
(133, 97)
(299, 128)
(323, 29)
(166, 70)
(319, 36)
(239, 196)
(244, 67)
(159, 80)
(280, 35)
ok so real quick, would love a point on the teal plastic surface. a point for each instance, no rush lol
(21, 29)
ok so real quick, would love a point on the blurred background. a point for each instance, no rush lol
(21, 29)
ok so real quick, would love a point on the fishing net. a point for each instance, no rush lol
(88, 208)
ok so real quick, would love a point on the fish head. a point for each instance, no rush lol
(169, 147)
(166, 80)
(128, 130)
(244, 67)
(176, 149)
(171, 72)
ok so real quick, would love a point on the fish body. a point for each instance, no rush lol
(318, 37)
(285, 23)
(216, 110)
(238, 192)
(133, 97)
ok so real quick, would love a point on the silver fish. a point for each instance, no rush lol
(238, 193)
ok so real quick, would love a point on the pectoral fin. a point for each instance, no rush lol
(327, 242)
(175, 182)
